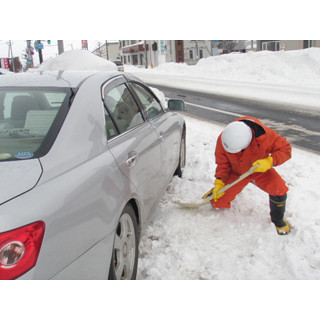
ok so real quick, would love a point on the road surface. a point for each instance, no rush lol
(301, 128)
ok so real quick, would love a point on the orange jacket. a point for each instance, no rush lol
(265, 142)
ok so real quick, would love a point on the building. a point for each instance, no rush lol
(277, 45)
(134, 52)
(191, 51)
(152, 53)
(11, 64)
(108, 50)
(230, 46)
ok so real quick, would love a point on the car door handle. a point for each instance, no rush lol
(162, 135)
(132, 159)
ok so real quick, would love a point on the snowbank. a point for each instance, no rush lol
(300, 67)
(236, 243)
(77, 60)
(286, 77)
(4, 71)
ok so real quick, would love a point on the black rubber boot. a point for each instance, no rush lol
(277, 209)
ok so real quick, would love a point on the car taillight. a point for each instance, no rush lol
(19, 250)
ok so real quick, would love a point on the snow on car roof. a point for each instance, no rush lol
(51, 78)
(66, 70)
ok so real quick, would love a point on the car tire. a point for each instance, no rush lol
(124, 261)
(182, 156)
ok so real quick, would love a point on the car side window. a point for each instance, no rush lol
(151, 105)
(123, 110)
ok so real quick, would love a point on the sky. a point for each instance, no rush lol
(96, 20)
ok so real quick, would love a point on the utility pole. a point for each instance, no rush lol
(60, 46)
(107, 50)
(150, 50)
(40, 51)
(146, 51)
(197, 53)
(12, 59)
(29, 54)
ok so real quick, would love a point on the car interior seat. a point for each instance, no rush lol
(19, 109)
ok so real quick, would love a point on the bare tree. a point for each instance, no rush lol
(15, 64)
(228, 46)
(99, 49)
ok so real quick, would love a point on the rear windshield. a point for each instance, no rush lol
(29, 120)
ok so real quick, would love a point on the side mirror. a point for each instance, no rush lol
(177, 105)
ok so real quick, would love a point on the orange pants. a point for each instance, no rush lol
(269, 181)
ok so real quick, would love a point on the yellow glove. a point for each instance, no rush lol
(219, 184)
(264, 164)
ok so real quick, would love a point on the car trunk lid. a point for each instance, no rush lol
(18, 177)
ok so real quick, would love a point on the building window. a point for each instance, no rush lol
(271, 45)
(307, 44)
(191, 54)
(135, 59)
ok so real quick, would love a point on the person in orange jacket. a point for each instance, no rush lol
(244, 143)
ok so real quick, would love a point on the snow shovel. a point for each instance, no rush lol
(225, 188)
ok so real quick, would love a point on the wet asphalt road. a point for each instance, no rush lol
(299, 127)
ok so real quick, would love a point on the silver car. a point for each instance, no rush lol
(85, 158)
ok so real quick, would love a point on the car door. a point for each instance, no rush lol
(167, 127)
(133, 142)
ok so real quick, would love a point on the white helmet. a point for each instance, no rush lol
(236, 136)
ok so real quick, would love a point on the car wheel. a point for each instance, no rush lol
(182, 157)
(124, 260)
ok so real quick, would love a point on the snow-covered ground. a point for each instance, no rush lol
(4, 71)
(241, 242)
(236, 243)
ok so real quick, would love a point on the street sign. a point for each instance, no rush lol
(40, 46)
(5, 63)
(162, 47)
(84, 44)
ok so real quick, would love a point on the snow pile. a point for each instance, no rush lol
(77, 60)
(285, 77)
(236, 243)
(300, 67)
(296, 67)
(4, 71)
